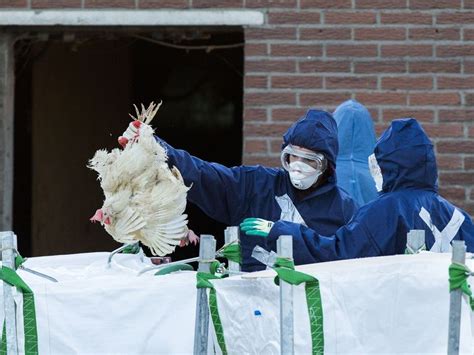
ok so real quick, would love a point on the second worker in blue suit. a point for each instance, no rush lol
(405, 172)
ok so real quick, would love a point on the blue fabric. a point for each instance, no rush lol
(229, 195)
(407, 161)
(356, 138)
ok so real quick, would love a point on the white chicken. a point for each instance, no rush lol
(144, 199)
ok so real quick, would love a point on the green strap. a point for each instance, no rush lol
(203, 282)
(29, 312)
(216, 320)
(458, 274)
(131, 249)
(232, 252)
(285, 269)
(173, 268)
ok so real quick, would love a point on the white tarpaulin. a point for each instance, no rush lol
(94, 309)
(384, 305)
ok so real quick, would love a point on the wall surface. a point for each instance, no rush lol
(398, 57)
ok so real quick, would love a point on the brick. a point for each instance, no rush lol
(421, 115)
(470, 132)
(269, 98)
(380, 128)
(381, 98)
(270, 33)
(325, 4)
(455, 50)
(296, 50)
(255, 146)
(434, 98)
(444, 130)
(469, 165)
(270, 66)
(377, 67)
(416, 18)
(469, 4)
(468, 34)
(287, 114)
(406, 50)
(297, 82)
(255, 49)
(275, 145)
(434, 67)
(447, 34)
(453, 193)
(218, 4)
(50, 4)
(163, 4)
(271, 3)
(456, 178)
(432, 5)
(262, 160)
(348, 18)
(264, 129)
(469, 99)
(325, 34)
(319, 66)
(407, 83)
(345, 82)
(458, 146)
(255, 114)
(130, 4)
(294, 18)
(456, 18)
(468, 67)
(318, 99)
(449, 162)
(456, 115)
(382, 34)
(256, 81)
(13, 3)
(380, 4)
(446, 82)
(350, 50)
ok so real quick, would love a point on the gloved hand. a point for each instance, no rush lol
(132, 133)
(256, 226)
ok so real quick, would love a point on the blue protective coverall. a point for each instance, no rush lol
(409, 200)
(229, 195)
(356, 137)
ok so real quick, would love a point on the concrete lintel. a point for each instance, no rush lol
(131, 18)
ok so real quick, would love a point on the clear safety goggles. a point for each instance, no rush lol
(313, 159)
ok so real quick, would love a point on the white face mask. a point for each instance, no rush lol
(375, 172)
(302, 175)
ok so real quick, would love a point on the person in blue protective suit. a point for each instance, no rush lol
(404, 169)
(304, 192)
(356, 138)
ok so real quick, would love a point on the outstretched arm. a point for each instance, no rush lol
(350, 241)
(221, 192)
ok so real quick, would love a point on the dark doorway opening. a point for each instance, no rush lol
(73, 94)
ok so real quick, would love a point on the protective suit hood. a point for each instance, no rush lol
(316, 130)
(406, 157)
(356, 131)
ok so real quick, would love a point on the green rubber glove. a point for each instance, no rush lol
(256, 226)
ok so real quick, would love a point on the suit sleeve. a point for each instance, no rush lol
(353, 240)
(220, 192)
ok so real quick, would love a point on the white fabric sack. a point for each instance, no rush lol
(384, 305)
(98, 310)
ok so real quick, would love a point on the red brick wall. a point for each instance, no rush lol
(398, 57)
